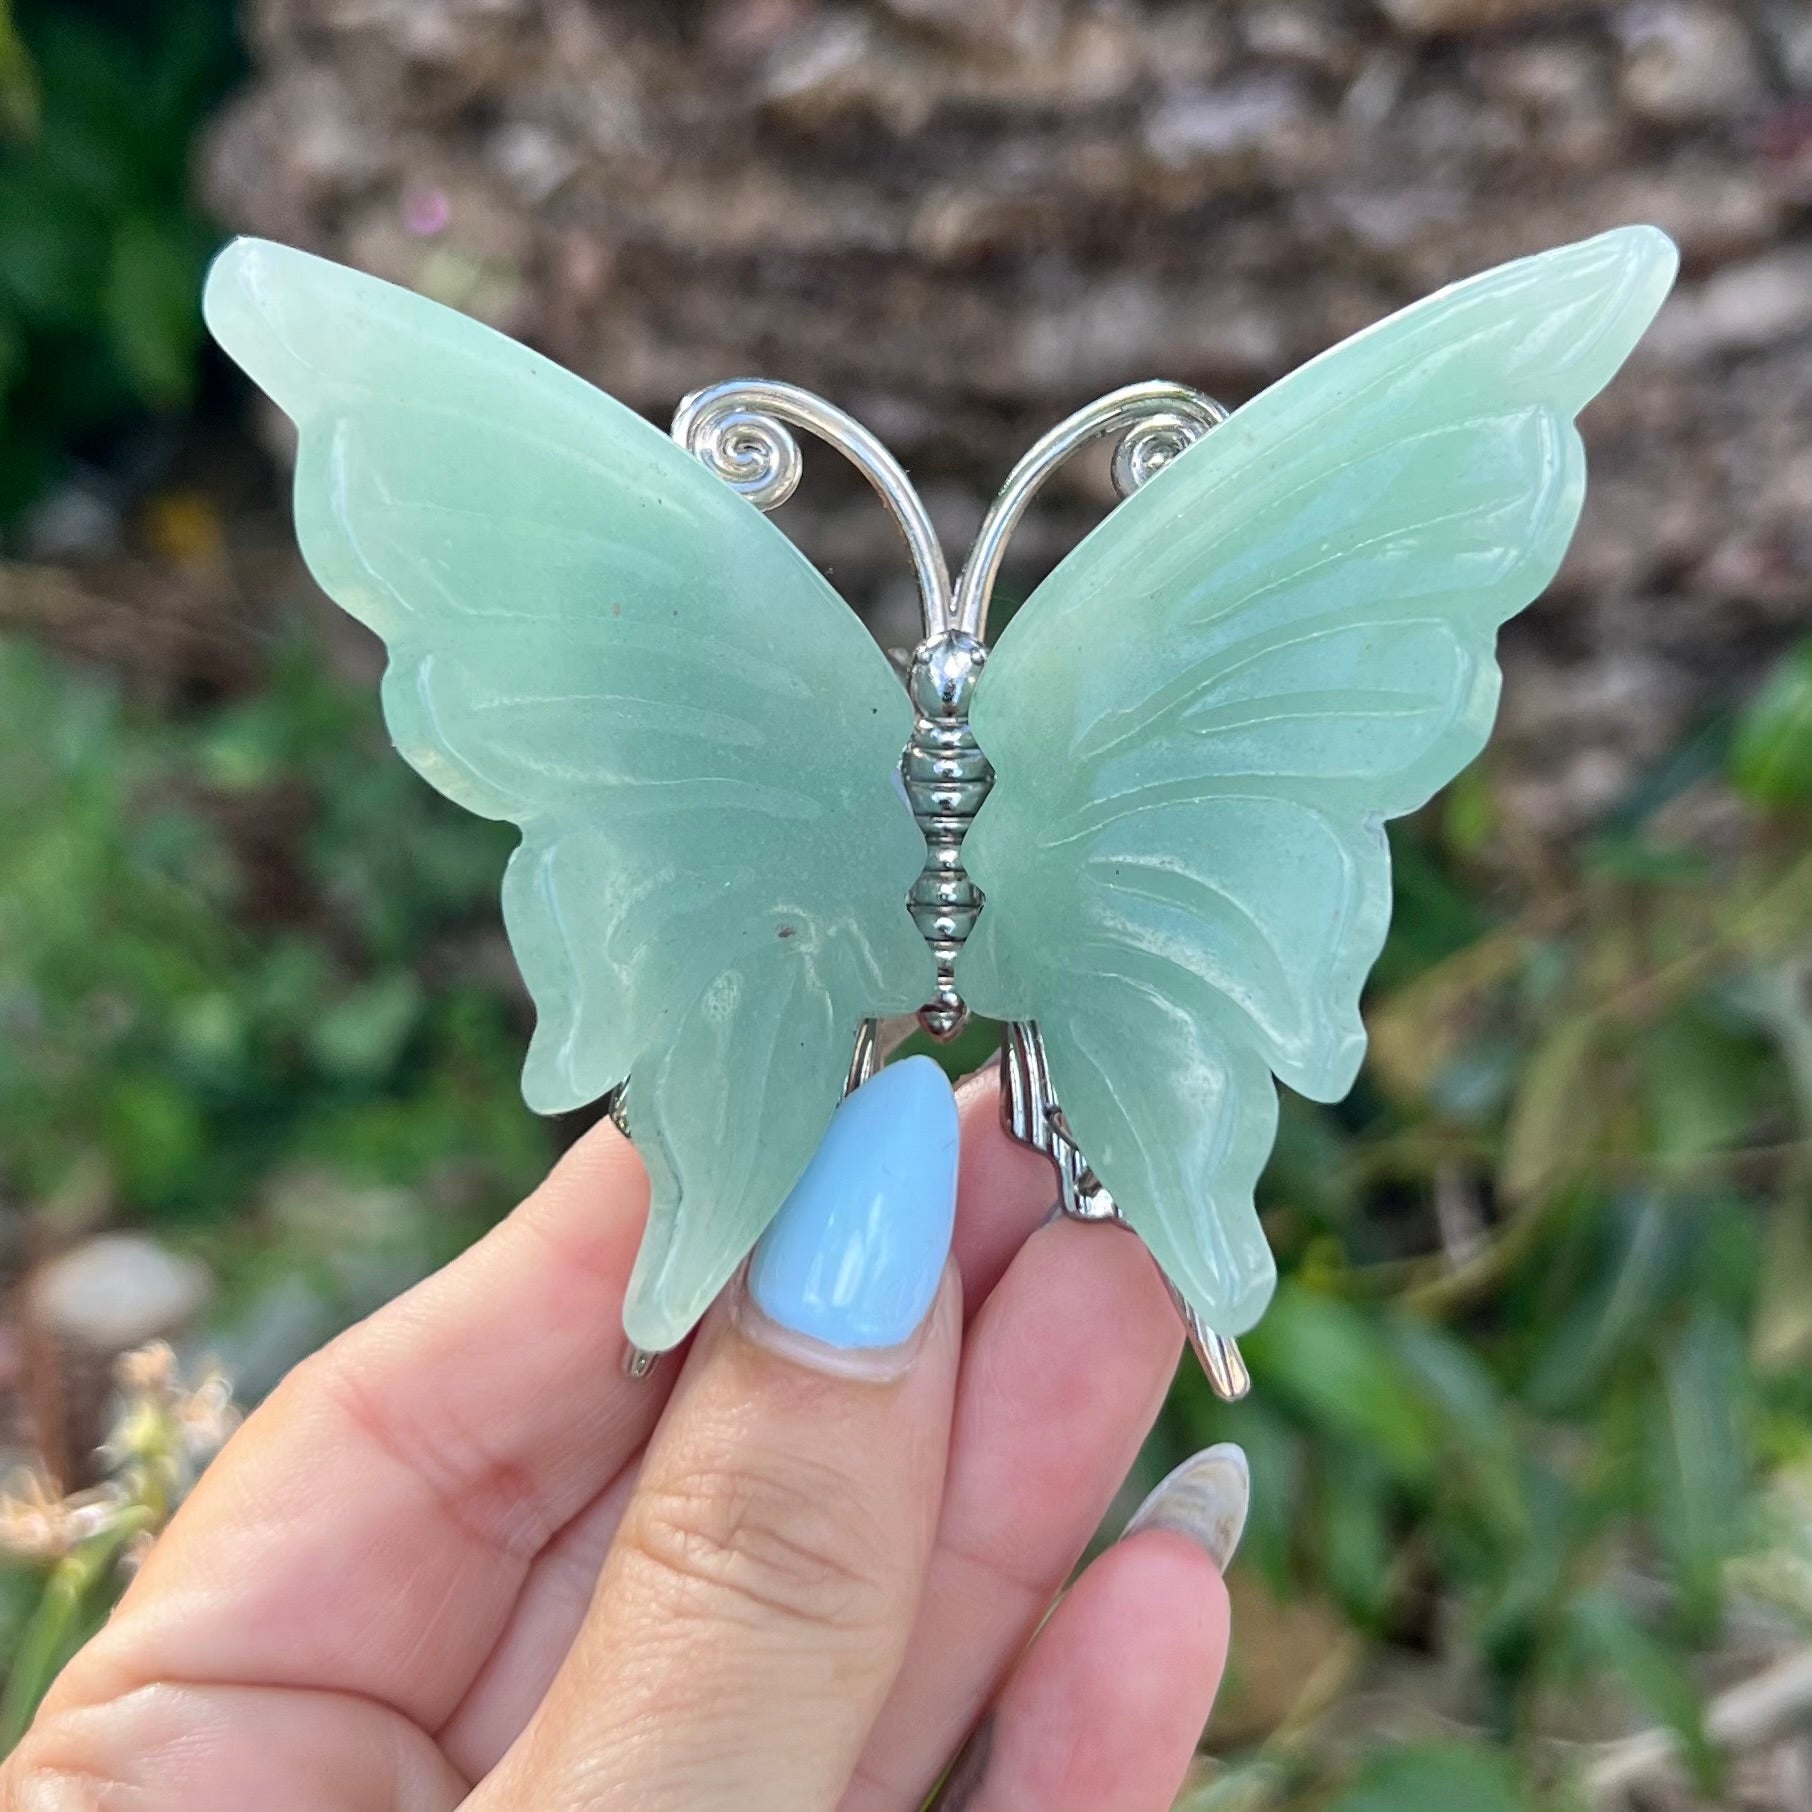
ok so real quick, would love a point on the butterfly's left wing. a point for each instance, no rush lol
(1200, 722)
(592, 636)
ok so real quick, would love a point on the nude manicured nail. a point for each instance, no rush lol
(1204, 1499)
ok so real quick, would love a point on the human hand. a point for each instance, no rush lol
(458, 1559)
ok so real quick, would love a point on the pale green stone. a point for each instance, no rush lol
(1199, 725)
(1201, 720)
(591, 635)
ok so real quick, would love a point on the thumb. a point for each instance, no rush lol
(755, 1606)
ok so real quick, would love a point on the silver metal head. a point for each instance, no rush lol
(943, 675)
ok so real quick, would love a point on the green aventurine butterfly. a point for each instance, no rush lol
(1197, 726)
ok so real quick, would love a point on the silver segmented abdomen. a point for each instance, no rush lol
(947, 778)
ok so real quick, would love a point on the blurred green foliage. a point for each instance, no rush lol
(1773, 759)
(230, 946)
(101, 249)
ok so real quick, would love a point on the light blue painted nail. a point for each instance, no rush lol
(854, 1256)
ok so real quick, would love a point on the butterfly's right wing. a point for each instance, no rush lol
(594, 637)
(1200, 722)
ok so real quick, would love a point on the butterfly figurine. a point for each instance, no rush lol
(1145, 829)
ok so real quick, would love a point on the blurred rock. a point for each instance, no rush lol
(1464, 15)
(1006, 24)
(71, 523)
(281, 1324)
(116, 1291)
(1687, 62)
(1219, 125)
(1744, 308)
(963, 220)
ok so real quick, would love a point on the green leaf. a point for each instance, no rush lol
(1355, 1545)
(1641, 1247)
(1700, 755)
(1655, 1675)
(1309, 1168)
(1772, 758)
(1434, 1777)
(1277, 1453)
(1252, 1784)
(19, 99)
(77, 1591)
(1698, 1084)
(1553, 1119)
(153, 321)
(1333, 1364)
(50, 262)
(155, 1136)
(1475, 1422)
(362, 1034)
(1432, 918)
(1781, 1330)
(1698, 1459)
(1469, 816)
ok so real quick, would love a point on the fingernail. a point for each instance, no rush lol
(1204, 1499)
(854, 1257)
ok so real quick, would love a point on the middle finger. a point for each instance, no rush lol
(1064, 1370)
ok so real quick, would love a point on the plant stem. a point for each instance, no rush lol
(66, 1592)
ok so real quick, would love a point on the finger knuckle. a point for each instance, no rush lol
(755, 1543)
(39, 1776)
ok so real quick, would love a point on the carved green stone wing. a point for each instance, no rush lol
(594, 637)
(1200, 722)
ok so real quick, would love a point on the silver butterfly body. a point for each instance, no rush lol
(947, 780)
(740, 430)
